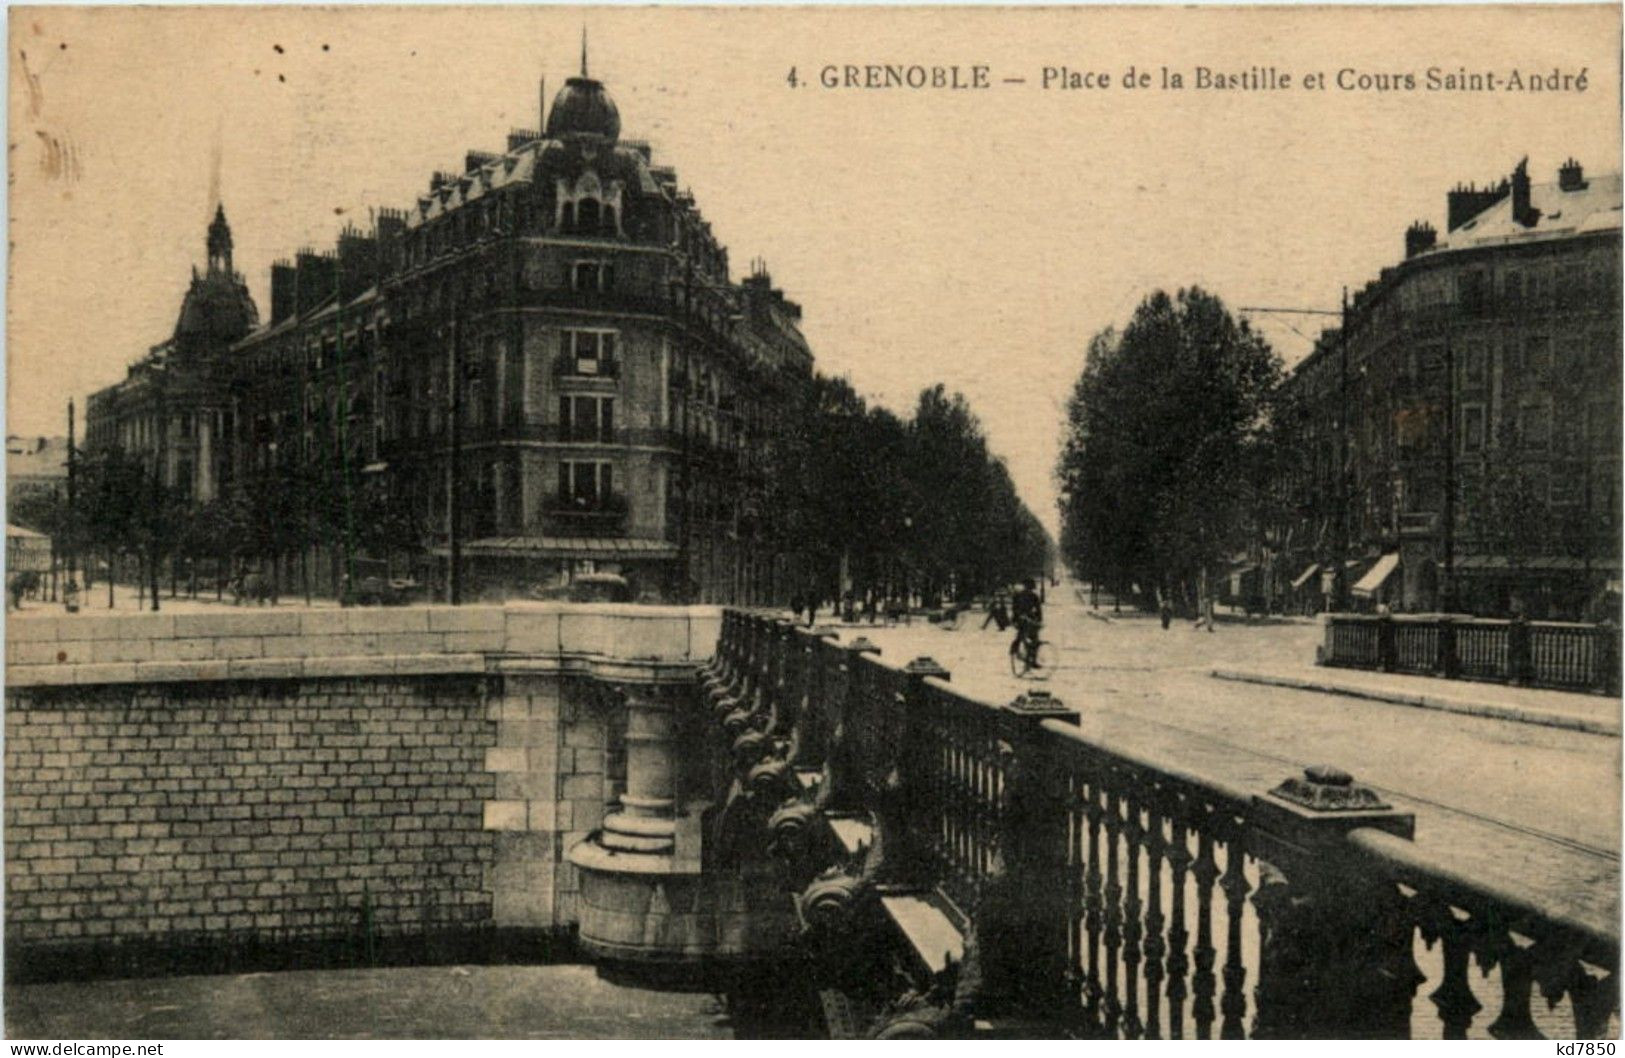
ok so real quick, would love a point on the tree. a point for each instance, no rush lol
(1169, 443)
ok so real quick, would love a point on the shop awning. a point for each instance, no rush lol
(604, 547)
(1303, 578)
(1377, 574)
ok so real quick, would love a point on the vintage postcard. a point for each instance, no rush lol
(813, 522)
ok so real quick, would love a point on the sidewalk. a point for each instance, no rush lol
(1590, 713)
(562, 1002)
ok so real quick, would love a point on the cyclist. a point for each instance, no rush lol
(1028, 614)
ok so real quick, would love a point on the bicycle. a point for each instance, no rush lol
(1046, 655)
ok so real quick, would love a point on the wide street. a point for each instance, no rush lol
(1537, 806)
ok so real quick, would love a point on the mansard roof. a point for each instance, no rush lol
(1593, 207)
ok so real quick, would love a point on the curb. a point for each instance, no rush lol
(1535, 717)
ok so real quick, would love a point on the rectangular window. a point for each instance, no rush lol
(585, 486)
(1472, 427)
(587, 418)
(1473, 364)
(593, 277)
(592, 352)
(1537, 353)
(1535, 425)
(1472, 290)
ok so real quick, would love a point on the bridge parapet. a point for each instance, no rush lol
(1038, 881)
(249, 789)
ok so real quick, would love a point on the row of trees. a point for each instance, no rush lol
(1174, 436)
(895, 507)
(124, 520)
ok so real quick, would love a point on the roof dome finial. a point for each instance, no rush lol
(583, 108)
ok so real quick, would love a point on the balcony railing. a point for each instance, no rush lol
(1097, 892)
(568, 366)
(572, 516)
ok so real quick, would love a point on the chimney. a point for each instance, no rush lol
(477, 159)
(313, 279)
(1522, 210)
(1419, 238)
(390, 231)
(1466, 201)
(357, 263)
(282, 290)
(517, 138)
(1570, 177)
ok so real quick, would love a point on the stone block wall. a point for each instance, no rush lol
(279, 811)
(282, 779)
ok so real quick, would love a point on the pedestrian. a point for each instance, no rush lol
(812, 608)
(70, 596)
(1165, 609)
(796, 604)
(997, 614)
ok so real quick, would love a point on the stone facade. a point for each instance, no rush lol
(1484, 366)
(562, 315)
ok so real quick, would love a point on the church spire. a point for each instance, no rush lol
(219, 243)
(583, 51)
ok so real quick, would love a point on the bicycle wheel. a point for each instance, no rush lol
(1049, 656)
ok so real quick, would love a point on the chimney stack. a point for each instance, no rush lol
(1419, 238)
(1523, 211)
(1571, 177)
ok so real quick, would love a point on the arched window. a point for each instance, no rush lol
(588, 214)
(609, 218)
(567, 216)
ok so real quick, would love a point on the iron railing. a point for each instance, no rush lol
(1150, 901)
(1559, 655)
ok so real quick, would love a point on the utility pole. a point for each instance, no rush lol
(1447, 595)
(73, 507)
(155, 513)
(1340, 581)
(454, 474)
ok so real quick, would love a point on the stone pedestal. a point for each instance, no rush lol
(644, 897)
(645, 822)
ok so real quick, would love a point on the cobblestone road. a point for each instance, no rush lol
(1538, 807)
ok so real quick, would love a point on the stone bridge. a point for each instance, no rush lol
(686, 791)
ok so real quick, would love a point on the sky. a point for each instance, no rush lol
(973, 237)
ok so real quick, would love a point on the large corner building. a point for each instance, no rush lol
(558, 314)
(1460, 431)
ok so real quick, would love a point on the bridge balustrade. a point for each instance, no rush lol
(1559, 655)
(1103, 894)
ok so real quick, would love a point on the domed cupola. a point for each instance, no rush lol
(583, 108)
(217, 309)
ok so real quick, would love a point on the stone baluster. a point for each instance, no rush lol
(646, 821)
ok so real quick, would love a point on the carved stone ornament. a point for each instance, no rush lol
(1324, 788)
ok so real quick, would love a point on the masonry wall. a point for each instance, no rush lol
(255, 800)
(246, 812)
